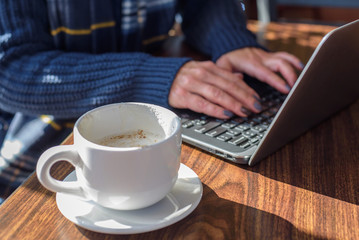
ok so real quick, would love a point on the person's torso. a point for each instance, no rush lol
(99, 26)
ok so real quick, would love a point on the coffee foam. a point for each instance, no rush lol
(138, 138)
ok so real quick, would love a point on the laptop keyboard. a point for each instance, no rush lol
(239, 131)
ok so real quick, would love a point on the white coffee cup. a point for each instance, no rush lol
(122, 178)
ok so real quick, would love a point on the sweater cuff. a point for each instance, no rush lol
(229, 40)
(153, 79)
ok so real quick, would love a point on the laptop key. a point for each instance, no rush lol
(249, 134)
(238, 140)
(229, 125)
(224, 137)
(260, 135)
(233, 132)
(243, 127)
(199, 122)
(255, 140)
(259, 128)
(268, 114)
(217, 131)
(245, 145)
(207, 127)
(253, 123)
(187, 124)
(258, 119)
(239, 120)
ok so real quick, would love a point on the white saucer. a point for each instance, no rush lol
(179, 203)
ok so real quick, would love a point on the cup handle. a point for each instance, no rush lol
(48, 159)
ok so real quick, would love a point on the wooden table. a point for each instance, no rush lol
(309, 189)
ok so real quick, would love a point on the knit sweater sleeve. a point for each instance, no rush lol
(216, 27)
(35, 78)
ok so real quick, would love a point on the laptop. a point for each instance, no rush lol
(328, 83)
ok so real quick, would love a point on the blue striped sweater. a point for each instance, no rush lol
(65, 57)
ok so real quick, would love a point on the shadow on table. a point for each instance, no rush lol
(217, 218)
(324, 160)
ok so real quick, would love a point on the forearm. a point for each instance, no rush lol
(38, 79)
(66, 85)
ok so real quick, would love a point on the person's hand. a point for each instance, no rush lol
(206, 88)
(264, 66)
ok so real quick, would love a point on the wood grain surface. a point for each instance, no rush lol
(309, 189)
